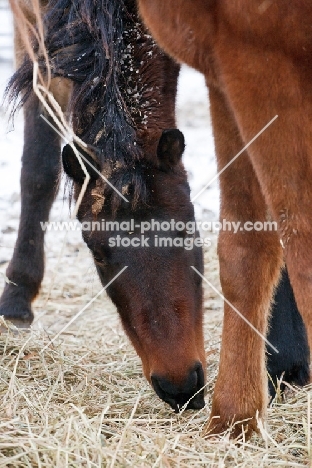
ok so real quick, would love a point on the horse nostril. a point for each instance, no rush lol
(178, 395)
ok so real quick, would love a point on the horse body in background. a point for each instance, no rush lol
(256, 57)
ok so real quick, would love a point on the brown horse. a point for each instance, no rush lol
(119, 90)
(256, 57)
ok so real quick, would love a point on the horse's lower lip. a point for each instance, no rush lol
(196, 402)
(189, 395)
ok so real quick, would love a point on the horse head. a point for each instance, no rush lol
(158, 296)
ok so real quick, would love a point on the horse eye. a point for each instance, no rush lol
(99, 258)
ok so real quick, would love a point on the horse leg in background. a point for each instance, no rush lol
(41, 166)
(40, 173)
(288, 334)
(249, 268)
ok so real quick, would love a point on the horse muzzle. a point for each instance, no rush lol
(189, 394)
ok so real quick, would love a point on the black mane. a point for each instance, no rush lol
(102, 48)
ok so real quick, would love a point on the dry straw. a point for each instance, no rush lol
(84, 401)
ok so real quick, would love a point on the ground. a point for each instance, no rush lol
(82, 401)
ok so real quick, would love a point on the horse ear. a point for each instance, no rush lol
(170, 148)
(72, 166)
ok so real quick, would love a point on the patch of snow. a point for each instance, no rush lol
(194, 121)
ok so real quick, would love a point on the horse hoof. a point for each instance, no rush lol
(17, 323)
(234, 428)
(19, 314)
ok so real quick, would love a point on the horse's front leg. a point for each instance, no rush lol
(249, 268)
(39, 183)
